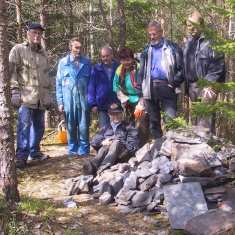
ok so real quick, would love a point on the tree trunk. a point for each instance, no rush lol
(19, 22)
(122, 23)
(7, 153)
(106, 23)
(71, 18)
(43, 17)
(90, 29)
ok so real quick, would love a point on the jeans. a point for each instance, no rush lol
(163, 98)
(103, 118)
(30, 130)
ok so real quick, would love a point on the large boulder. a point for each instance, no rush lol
(213, 222)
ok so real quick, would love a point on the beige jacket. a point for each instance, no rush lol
(29, 70)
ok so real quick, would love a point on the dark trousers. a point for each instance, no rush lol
(205, 121)
(163, 98)
(109, 154)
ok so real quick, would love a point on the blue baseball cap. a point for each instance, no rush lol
(35, 26)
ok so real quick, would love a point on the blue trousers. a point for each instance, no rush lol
(77, 120)
(30, 130)
(103, 118)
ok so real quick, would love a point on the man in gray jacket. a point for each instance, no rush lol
(160, 75)
(201, 61)
(31, 93)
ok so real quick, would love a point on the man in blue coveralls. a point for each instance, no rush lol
(71, 91)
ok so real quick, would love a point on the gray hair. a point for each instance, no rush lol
(106, 47)
(154, 24)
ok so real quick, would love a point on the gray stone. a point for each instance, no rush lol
(198, 164)
(123, 167)
(133, 161)
(82, 186)
(184, 201)
(106, 198)
(141, 180)
(148, 183)
(183, 136)
(102, 187)
(162, 179)
(162, 209)
(144, 165)
(215, 194)
(163, 165)
(232, 165)
(213, 222)
(220, 170)
(130, 182)
(152, 205)
(143, 173)
(158, 193)
(116, 184)
(144, 153)
(166, 149)
(70, 186)
(202, 132)
(192, 151)
(204, 181)
(225, 155)
(125, 195)
(141, 199)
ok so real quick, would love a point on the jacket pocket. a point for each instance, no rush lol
(29, 95)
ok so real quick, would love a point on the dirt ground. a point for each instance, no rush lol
(45, 181)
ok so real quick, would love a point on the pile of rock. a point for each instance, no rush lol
(141, 184)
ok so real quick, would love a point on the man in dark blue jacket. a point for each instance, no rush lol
(117, 141)
(201, 61)
(100, 89)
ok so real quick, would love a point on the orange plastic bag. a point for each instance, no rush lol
(62, 133)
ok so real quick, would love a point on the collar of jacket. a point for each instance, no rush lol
(27, 43)
(202, 36)
(165, 45)
(81, 60)
(100, 66)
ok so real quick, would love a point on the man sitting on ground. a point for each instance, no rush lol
(117, 141)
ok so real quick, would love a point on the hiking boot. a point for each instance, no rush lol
(39, 156)
(21, 163)
(88, 168)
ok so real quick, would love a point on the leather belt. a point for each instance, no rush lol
(160, 81)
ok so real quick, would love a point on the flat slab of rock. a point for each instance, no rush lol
(184, 201)
(213, 222)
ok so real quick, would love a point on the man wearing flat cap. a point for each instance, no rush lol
(117, 141)
(30, 93)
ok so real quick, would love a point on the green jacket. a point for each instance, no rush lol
(29, 70)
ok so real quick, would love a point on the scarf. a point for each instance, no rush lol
(121, 73)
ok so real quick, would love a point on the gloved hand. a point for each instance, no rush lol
(107, 142)
(15, 98)
(139, 109)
